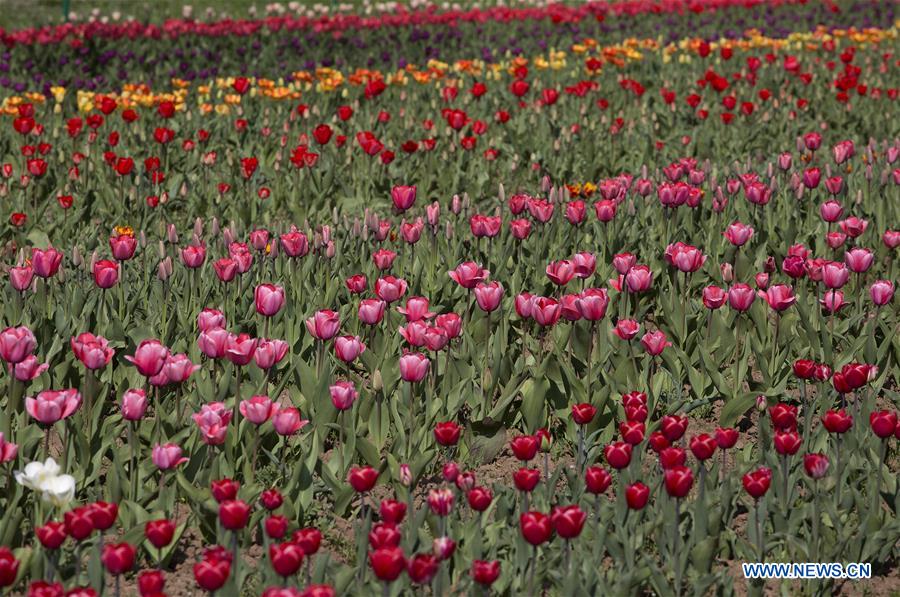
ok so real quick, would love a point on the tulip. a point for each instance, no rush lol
(568, 521)
(159, 532)
(535, 527)
(779, 297)
(343, 395)
(9, 568)
(468, 274)
(678, 481)
(309, 540)
(213, 342)
(443, 548)
(738, 234)
(211, 574)
(787, 442)
(384, 535)
(673, 427)
(883, 423)
(234, 514)
(526, 479)
(106, 273)
(597, 479)
(479, 498)
(882, 292)
(271, 499)
(16, 344)
(224, 490)
(524, 447)
(636, 495)
(51, 406)
(422, 568)
(618, 454)
(834, 274)
(626, 329)
(258, 409)
(287, 421)
(545, 311)
(383, 259)
(193, 257)
(592, 304)
(488, 295)
(362, 479)
(655, 342)
(485, 573)
(134, 405)
(150, 582)
(416, 309)
(740, 297)
(387, 563)
(20, 277)
(51, 536)
(79, 524)
(392, 511)
(149, 357)
(585, 264)
(210, 319)
(757, 482)
(269, 299)
(347, 348)
(440, 501)
(323, 325)
(561, 272)
(390, 289)
(286, 558)
(447, 433)
(212, 422)
(167, 456)
(118, 558)
(371, 311)
(46, 263)
(29, 369)
(269, 353)
(240, 350)
(8, 450)
(403, 197)
(413, 367)
(816, 465)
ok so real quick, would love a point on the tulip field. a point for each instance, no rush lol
(411, 299)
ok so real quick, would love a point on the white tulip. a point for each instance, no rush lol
(59, 491)
(37, 473)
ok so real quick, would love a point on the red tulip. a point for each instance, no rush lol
(535, 527)
(211, 574)
(447, 433)
(526, 479)
(837, 421)
(413, 367)
(568, 521)
(103, 515)
(276, 526)
(488, 295)
(150, 582)
(469, 274)
(673, 427)
(118, 558)
(726, 438)
(757, 482)
(524, 447)
(485, 573)
(678, 481)
(52, 535)
(286, 558)
(159, 532)
(618, 455)
(787, 442)
(636, 495)
(234, 514)
(387, 563)
(9, 567)
(816, 465)
(392, 511)
(883, 423)
(479, 498)
(362, 479)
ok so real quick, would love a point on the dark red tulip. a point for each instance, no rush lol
(703, 446)
(224, 489)
(837, 421)
(632, 432)
(568, 521)
(526, 479)
(9, 567)
(757, 482)
(672, 457)
(479, 498)
(384, 534)
(636, 495)
(422, 568)
(726, 438)
(787, 442)
(447, 433)
(816, 465)
(309, 540)
(392, 511)
(485, 573)
(525, 447)
(597, 479)
(276, 526)
(286, 558)
(79, 523)
(103, 515)
(362, 479)
(271, 499)
(618, 454)
(52, 535)
(233, 514)
(535, 527)
(387, 563)
(159, 532)
(673, 427)
(118, 558)
(211, 574)
(583, 414)
(883, 423)
(678, 481)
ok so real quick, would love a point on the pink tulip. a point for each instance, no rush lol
(8, 450)
(835, 274)
(93, 351)
(106, 273)
(209, 319)
(149, 357)
(269, 299)
(890, 238)
(357, 284)
(225, 268)
(436, 338)
(414, 333)
(831, 211)
(258, 409)
(242, 257)
(213, 342)
(859, 260)
(639, 279)
(371, 311)
(134, 405)
(51, 406)
(853, 226)
(686, 258)
(16, 344)
(259, 239)
(403, 197)
(343, 395)
(323, 325)
(561, 272)
(762, 280)
(383, 259)
(450, 323)
(29, 368)
(294, 243)
(882, 292)
(212, 422)
(738, 234)
(585, 265)
(713, 297)
(623, 262)
(411, 232)
(46, 263)
(835, 239)
(575, 212)
(413, 367)
(741, 297)
(348, 348)
(488, 295)
(240, 349)
(167, 456)
(269, 353)
(122, 246)
(287, 421)
(416, 309)
(469, 274)
(523, 305)
(193, 256)
(520, 229)
(390, 289)
(779, 297)
(20, 277)
(545, 311)
(833, 301)
(655, 342)
(179, 368)
(592, 304)
(626, 329)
